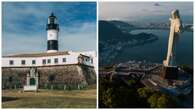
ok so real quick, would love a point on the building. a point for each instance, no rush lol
(51, 69)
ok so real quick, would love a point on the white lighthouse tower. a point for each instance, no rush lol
(52, 34)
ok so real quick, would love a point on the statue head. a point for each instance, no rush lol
(175, 14)
(176, 22)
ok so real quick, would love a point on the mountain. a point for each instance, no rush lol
(113, 39)
(124, 26)
(108, 30)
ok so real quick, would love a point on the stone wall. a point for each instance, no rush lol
(51, 77)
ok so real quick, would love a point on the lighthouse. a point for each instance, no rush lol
(52, 34)
(29, 67)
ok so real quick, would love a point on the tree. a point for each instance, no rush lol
(114, 94)
(160, 100)
(163, 101)
(144, 92)
(153, 100)
(131, 82)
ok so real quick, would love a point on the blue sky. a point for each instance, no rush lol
(24, 26)
(144, 11)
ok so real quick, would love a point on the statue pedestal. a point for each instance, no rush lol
(169, 72)
(31, 80)
(30, 88)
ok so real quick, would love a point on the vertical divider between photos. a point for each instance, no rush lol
(97, 50)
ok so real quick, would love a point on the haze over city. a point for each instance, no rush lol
(144, 11)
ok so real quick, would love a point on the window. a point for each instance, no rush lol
(33, 62)
(64, 60)
(11, 62)
(56, 60)
(23, 62)
(48, 60)
(43, 61)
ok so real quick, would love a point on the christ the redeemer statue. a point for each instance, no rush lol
(175, 28)
(170, 69)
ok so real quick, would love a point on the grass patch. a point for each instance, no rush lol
(50, 98)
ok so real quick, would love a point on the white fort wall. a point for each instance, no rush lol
(69, 59)
(91, 54)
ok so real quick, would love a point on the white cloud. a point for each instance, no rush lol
(24, 27)
(136, 10)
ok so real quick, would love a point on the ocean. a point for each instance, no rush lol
(156, 51)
